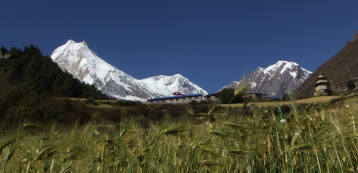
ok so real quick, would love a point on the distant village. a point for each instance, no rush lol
(321, 89)
(181, 98)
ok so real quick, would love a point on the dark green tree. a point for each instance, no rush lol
(3, 51)
(15, 53)
(32, 50)
(285, 97)
(31, 69)
(350, 84)
(239, 98)
(226, 95)
(39, 74)
(14, 73)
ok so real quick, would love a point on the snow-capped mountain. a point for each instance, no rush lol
(86, 66)
(283, 75)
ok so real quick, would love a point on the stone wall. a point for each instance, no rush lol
(342, 89)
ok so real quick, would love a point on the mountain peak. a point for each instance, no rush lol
(282, 66)
(70, 41)
(288, 63)
(84, 44)
(85, 65)
(271, 80)
(75, 44)
(179, 75)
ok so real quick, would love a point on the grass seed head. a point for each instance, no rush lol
(172, 131)
(238, 152)
(242, 88)
(218, 133)
(232, 124)
(208, 163)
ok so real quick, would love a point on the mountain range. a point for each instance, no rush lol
(275, 80)
(281, 77)
(85, 65)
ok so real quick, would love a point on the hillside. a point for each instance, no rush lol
(337, 69)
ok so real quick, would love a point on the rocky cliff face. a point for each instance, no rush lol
(282, 77)
(86, 66)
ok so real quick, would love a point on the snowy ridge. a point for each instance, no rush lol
(282, 66)
(166, 85)
(86, 66)
(271, 80)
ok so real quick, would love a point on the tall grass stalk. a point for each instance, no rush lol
(312, 139)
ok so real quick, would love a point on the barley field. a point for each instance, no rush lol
(322, 99)
(320, 138)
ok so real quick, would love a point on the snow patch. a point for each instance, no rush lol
(293, 74)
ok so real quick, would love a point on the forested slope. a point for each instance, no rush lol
(34, 88)
(30, 69)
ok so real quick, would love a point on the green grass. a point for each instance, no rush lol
(320, 99)
(321, 139)
(352, 100)
(103, 106)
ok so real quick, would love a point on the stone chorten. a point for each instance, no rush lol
(321, 85)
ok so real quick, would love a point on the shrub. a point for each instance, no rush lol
(350, 84)
(285, 110)
(110, 115)
(91, 101)
(227, 95)
(127, 103)
(332, 101)
(328, 91)
(238, 111)
(286, 97)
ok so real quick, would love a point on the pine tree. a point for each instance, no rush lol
(3, 51)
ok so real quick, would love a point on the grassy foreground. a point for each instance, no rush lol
(311, 139)
(321, 99)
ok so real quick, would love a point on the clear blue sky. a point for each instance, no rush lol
(210, 42)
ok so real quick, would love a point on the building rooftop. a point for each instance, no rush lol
(173, 97)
